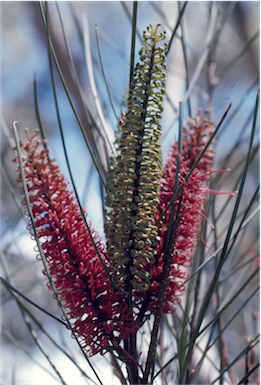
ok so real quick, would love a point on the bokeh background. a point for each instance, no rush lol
(220, 68)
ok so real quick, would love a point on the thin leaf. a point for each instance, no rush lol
(242, 353)
(11, 338)
(133, 39)
(221, 247)
(213, 320)
(103, 72)
(97, 166)
(37, 111)
(87, 51)
(246, 211)
(11, 289)
(225, 205)
(11, 190)
(240, 104)
(232, 62)
(244, 380)
(65, 352)
(239, 267)
(185, 56)
(123, 3)
(229, 301)
(205, 52)
(181, 13)
(92, 125)
(39, 344)
(242, 307)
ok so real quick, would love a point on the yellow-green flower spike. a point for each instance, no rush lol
(134, 177)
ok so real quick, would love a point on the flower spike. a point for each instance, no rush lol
(98, 316)
(190, 203)
(134, 177)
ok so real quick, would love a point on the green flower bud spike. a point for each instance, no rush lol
(134, 177)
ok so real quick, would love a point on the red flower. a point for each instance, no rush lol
(97, 315)
(192, 196)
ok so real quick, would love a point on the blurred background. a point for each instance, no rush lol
(213, 61)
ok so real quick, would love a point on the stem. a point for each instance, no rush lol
(133, 38)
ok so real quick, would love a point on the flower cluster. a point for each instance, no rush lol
(190, 201)
(152, 223)
(77, 260)
(74, 254)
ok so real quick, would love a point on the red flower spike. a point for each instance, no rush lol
(193, 197)
(97, 315)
